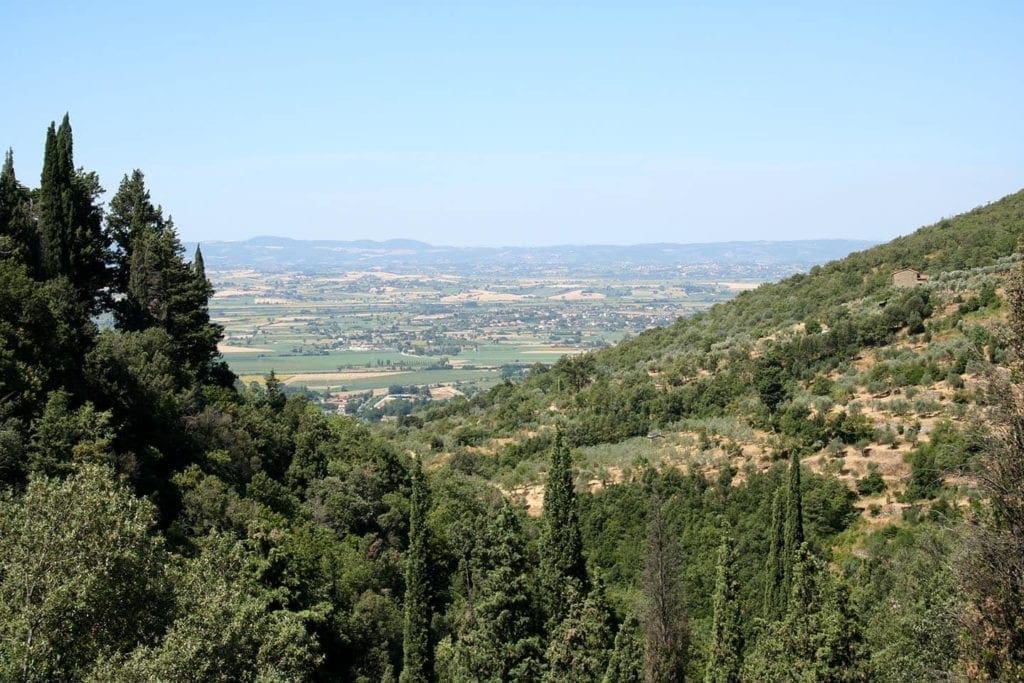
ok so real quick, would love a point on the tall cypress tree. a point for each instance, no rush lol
(794, 528)
(199, 265)
(787, 535)
(72, 240)
(563, 568)
(726, 650)
(501, 641)
(819, 637)
(626, 661)
(54, 186)
(201, 335)
(417, 650)
(775, 574)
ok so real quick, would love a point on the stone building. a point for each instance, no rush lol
(908, 277)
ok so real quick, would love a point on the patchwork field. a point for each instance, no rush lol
(341, 334)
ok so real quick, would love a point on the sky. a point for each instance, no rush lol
(528, 123)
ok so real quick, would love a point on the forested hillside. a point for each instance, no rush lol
(821, 480)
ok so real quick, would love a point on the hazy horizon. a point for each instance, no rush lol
(553, 245)
(535, 124)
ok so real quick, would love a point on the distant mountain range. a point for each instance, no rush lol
(280, 254)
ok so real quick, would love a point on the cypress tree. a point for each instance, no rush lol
(625, 664)
(198, 265)
(726, 649)
(72, 240)
(53, 186)
(9, 191)
(774, 594)
(563, 568)
(201, 335)
(501, 640)
(818, 639)
(579, 647)
(416, 647)
(787, 535)
(16, 223)
(794, 529)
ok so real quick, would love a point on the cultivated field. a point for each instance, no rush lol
(341, 334)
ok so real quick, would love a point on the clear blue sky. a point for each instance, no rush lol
(530, 122)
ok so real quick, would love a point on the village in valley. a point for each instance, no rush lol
(378, 329)
(377, 343)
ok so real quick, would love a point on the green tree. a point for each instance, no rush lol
(625, 663)
(199, 265)
(665, 623)
(43, 336)
(500, 640)
(770, 382)
(130, 215)
(72, 240)
(80, 576)
(63, 436)
(794, 520)
(726, 650)
(416, 646)
(818, 639)
(18, 237)
(226, 627)
(580, 645)
(274, 396)
(164, 291)
(563, 567)
(775, 595)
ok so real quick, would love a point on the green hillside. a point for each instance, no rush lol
(971, 240)
(806, 326)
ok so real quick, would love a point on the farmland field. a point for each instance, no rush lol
(343, 334)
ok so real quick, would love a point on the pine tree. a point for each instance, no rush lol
(775, 595)
(625, 664)
(163, 290)
(131, 214)
(563, 567)
(726, 650)
(416, 646)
